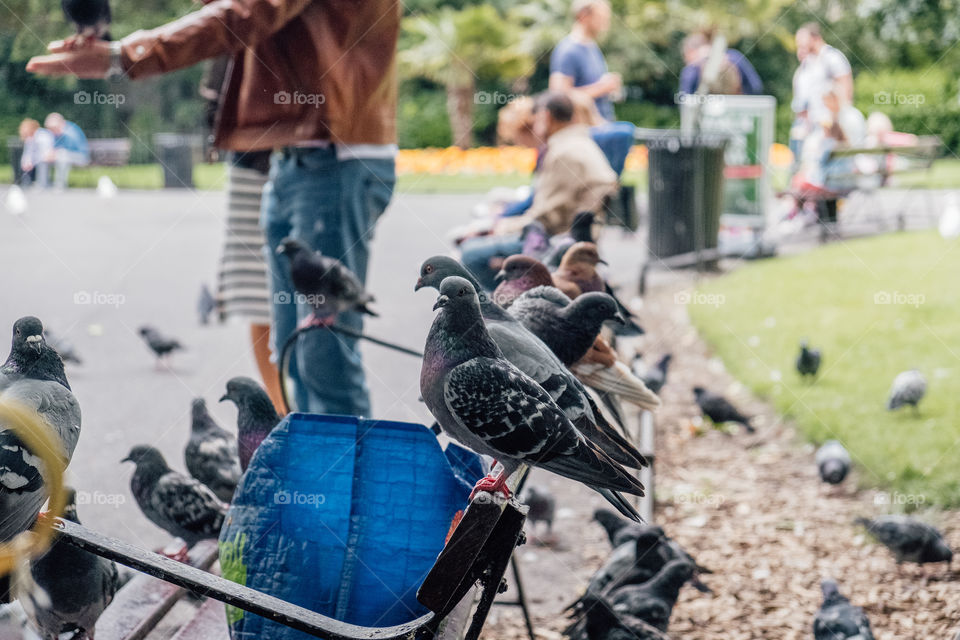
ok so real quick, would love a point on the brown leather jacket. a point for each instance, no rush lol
(301, 69)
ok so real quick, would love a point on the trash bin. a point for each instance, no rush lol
(175, 153)
(686, 193)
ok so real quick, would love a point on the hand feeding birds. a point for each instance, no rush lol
(327, 286)
(490, 406)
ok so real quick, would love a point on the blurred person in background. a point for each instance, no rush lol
(737, 76)
(70, 148)
(37, 149)
(578, 63)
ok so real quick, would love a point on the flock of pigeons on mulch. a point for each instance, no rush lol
(527, 375)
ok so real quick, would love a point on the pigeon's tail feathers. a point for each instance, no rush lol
(591, 466)
(613, 444)
(621, 504)
(699, 585)
(364, 308)
(620, 380)
(863, 522)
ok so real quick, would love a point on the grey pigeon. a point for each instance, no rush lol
(719, 409)
(206, 304)
(581, 230)
(61, 345)
(542, 506)
(654, 377)
(908, 388)
(833, 462)
(604, 622)
(529, 354)
(909, 539)
(256, 415)
(180, 505)
(161, 345)
(567, 327)
(71, 587)
(211, 453)
(490, 406)
(837, 619)
(653, 600)
(328, 286)
(91, 17)
(32, 376)
(808, 362)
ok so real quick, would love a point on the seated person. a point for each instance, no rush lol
(574, 176)
(841, 125)
(70, 147)
(37, 146)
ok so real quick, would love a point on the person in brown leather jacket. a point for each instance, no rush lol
(317, 81)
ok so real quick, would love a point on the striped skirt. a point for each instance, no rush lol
(244, 289)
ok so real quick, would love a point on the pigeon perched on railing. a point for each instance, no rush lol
(161, 345)
(519, 274)
(70, 587)
(833, 462)
(529, 354)
(326, 283)
(719, 409)
(211, 453)
(908, 388)
(487, 404)
(61, 345)
(837, 619)
(579, 269)
(581, 230)
(808, 362)
(654, 377)
(909, 539)
(180, 505)
(256, 415)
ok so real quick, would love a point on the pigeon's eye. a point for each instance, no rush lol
(462, 293)
(428, 268)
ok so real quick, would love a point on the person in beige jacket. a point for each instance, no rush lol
(574, 176)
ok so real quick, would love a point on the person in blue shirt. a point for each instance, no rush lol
(737, 76)
(578, 63)
(69, 147)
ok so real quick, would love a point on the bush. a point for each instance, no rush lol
(422, 119)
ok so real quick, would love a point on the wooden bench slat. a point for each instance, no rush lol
(210, 623)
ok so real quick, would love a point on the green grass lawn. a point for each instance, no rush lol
(828, 295)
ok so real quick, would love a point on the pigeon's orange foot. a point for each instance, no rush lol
(44, 518)
(180, 555)
(313, 320)
(491, 485)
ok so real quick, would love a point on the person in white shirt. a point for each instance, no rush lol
(37, 146)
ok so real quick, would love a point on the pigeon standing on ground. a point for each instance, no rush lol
(719, 409)
(256, 415)
(654, 377)
(91, 18)
(542, 507)
(211, 453)
(908, 388)
(653, 601)
(529, 354)
(329, 287)
(180, 505)
(909, 539)
(581, 230)
(603, 622)
(161, 345)
(62, 346)
(487, 404)
(837, 619)
(71, 587)
(833, 462)
(206, 304)
(808, 362)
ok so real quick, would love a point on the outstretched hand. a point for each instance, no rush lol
(89, 61)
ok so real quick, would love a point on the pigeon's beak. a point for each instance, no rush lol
(441, 301)
(500, 275)
(127, 459)
(618, 317)
(602, 261)
(225, 396)
(281, 250)
(419, 284)
(36, 342)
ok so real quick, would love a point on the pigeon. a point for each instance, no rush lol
(518, 275)
(70, 587)
(180, 505)
(654, 377)
(256, 415)
(719, 409)
(581, 230)
(529, 354)
(32, 376)
(908, 388)
(808, 362)
(542, 506)
(206, 304)
(568, 327)
(91, 18)
(604, 622)
(211, 453)
(579, 267)
(161, 345)
(653, 601)
(837, 619)
(493, 408)
(62, 346)
(833, 462)
(909, 539)
(328, 286)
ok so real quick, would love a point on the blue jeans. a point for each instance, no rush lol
(333, 206)
(477, 252)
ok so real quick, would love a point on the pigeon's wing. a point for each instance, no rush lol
(192, 506)
(344, 283)
(214, 460)
(516, 417)
(54, 403)
(529, 354)
(550, 294)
